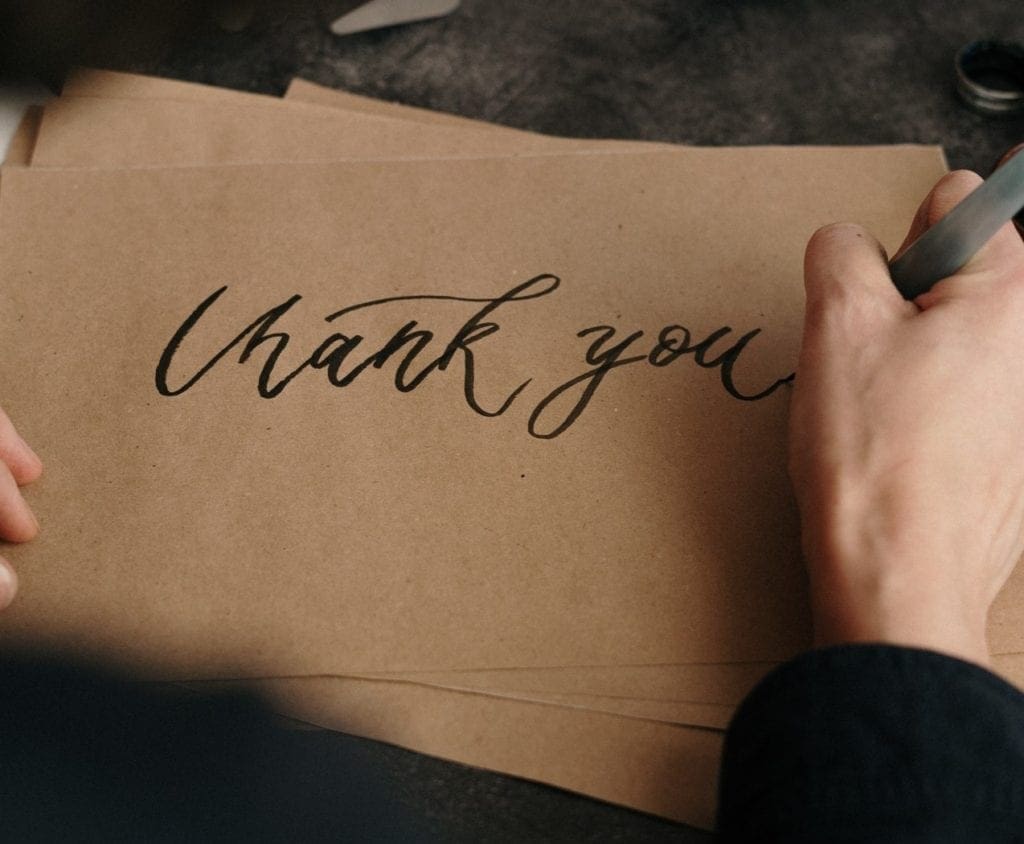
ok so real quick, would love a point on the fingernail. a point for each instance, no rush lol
(8, 585)
(27, 513)
(30, 461)
(29, 451)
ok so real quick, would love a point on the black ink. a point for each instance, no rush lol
(411, 342)
(603, 363)
(331, 359)
(474, 330)
(259, 325)
(665, 344)
(333, 351)
(726, 360)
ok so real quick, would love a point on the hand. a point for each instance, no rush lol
(19, 465)
(907, 438)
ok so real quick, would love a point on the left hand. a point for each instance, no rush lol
(19, 465)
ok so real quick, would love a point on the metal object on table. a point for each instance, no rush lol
(380, 13)
(990, 76)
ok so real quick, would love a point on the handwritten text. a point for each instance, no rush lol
(343, 357)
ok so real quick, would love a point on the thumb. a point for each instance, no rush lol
(847, 281)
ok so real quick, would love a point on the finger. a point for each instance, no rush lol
(948, 192)
(8, 583)
(1007, 244)
(23, 462)
(17, 524)
(941, 199)
(847, 281)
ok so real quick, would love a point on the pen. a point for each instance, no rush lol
(957, 237)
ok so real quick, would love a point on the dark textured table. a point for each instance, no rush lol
(704, 72)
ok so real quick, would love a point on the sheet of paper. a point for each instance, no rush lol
(547, 761)
(303, 91)
(105, 83)
(708, 683)
(112, 84)
(89, 82)
(676, 708)
(579, 459)
(95, 131)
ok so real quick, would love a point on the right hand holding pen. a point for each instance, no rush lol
(907, 438)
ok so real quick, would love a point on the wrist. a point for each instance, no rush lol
(889, 604)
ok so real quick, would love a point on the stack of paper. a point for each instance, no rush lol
(447, 434)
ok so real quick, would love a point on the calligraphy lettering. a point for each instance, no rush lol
(409, 346)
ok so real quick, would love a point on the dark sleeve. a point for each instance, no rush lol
(874, 743)
(86, 755)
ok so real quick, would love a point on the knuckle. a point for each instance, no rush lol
(836, 231)
(948, 191)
